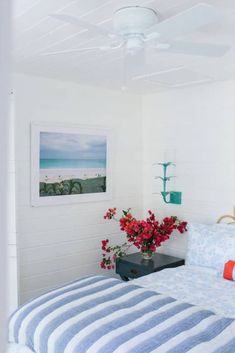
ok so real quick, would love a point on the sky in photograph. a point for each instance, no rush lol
(72, 146)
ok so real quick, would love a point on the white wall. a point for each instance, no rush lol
(12, 244)
(5, 44)
(59, 243)
(198, 124)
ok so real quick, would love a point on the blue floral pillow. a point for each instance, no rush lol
(210, 245)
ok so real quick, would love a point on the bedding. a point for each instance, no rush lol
(17, 348)
(210, 245)
(103, 315)
(196, 285)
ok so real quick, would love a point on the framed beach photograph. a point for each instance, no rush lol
(70, 164)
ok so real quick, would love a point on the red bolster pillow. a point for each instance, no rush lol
(229, 270)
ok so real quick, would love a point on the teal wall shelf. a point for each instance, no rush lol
(173, 197)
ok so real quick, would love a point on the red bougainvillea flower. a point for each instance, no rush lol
(110, 213)
(102, 265)
(146, 235)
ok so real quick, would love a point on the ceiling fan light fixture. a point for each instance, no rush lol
(134, 44)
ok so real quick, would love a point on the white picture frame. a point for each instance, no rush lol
(41, 137)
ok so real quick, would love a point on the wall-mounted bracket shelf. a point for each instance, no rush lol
(173, 197)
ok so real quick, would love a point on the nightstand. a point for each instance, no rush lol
(134, 266)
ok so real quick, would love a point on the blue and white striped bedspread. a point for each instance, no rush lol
(103, 315)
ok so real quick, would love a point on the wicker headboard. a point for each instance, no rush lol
(230, 218)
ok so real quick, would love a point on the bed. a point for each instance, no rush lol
(186, 309)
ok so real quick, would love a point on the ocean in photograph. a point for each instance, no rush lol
(72, 163)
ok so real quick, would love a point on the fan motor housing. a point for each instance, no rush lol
(133, 20)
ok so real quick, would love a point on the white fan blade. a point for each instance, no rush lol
(72, 51)
(200, 49)
(77, 50)
(184, 22)
(95, 29)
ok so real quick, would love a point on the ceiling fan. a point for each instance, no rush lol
(136, 28)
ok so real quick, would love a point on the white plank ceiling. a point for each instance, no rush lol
(35, 32)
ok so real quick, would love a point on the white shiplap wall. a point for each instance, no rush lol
(196, 124)
(59, 243)
(12, 236)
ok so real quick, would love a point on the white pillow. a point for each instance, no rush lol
(210, 245)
